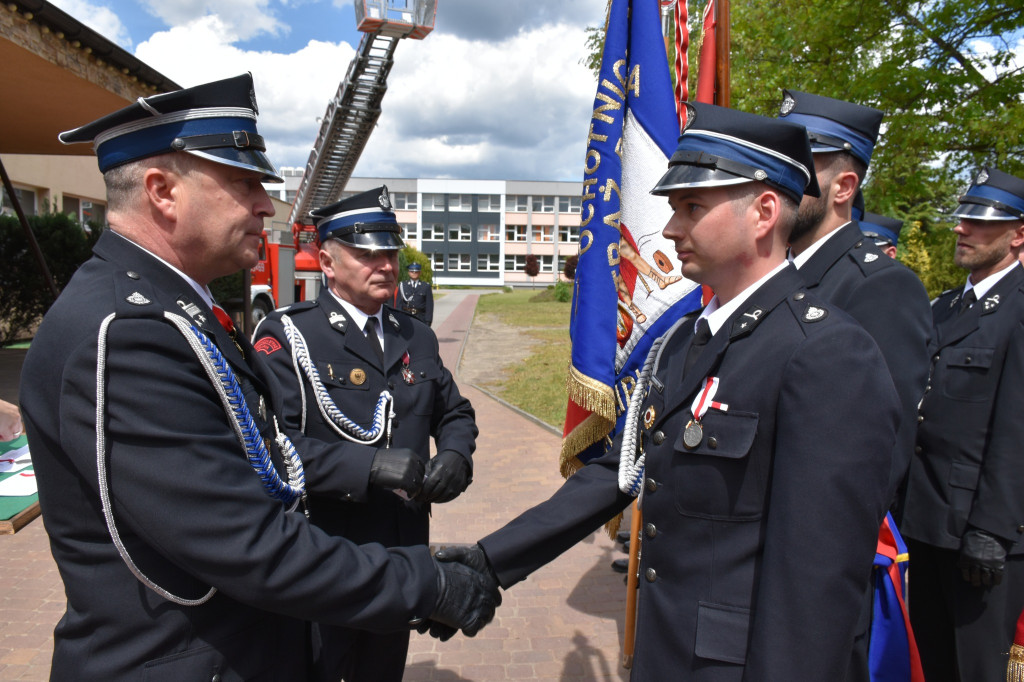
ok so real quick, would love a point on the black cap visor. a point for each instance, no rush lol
(252, 159)
(993, 211)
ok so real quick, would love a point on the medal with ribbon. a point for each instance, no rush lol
(407, 374)
(693, 434)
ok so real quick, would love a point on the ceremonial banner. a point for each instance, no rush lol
(707, 66)
(628, 288)
(892, 651)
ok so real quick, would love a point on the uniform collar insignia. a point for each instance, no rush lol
(193, 311)
(338, 321)
(748, 320)
(991, 302)
(870, 257)
(393, 321)
(814, 314)
(138, 299)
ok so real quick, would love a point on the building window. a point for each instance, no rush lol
(437, 262)
(434, 233)
(516, 203)
(488, 203)
(404, 201)
(547, 263)
(487, 262)
(515, 263)
(26, 197)
(515, 233)
(544, 204)
(408, 230)
(433, 202)
(569, 204)
(544, 233)
(460, 202)
(458, 262)
(561, 263)
(568, 234)
(290, 194)
(488, 233)
(460, 233)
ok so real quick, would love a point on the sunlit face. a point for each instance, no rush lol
(987, 246)
(713, 240)
(220, 219)
(813, 210)
(414, 275)
(365, 278)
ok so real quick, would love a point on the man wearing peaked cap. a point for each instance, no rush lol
(415, 297)
(172, 489)
(883, 230)
(964, 515)
(841, 266)
(748, 454)
(354, 369)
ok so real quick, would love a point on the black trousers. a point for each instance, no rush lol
(357, 655)
(963, 632)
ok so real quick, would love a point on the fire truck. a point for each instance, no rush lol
(344, 130)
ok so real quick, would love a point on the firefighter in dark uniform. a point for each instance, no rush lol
(763, 485)
(339, 387)
(882, 230)
(172, 500)
(839, 265)
(964, 514)
(414, 297)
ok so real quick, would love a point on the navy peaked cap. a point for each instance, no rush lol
(414, 267)
(215, 121)
(721, 146)
(832, 124)
(880, 227)
(994, 195)
(365, 221)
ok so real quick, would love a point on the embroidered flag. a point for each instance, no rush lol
(628, 288)
(892, 651)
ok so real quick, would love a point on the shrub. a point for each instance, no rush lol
(25, 294)
(532, 265)
(570, 266)
(412, 255)
(563, 292)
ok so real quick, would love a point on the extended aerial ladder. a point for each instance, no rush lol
(352, 114)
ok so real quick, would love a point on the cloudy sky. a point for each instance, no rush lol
(496, 91)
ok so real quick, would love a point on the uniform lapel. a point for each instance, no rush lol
(354, 339)
(953, 327)
(829, 254)
(741, 324)
(395, 343)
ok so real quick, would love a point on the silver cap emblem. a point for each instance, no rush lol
(787, 104)
(137, 299)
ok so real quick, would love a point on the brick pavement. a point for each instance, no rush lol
(563, 623)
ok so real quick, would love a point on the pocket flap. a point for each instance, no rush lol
(722, 632)
(725, 434)
(969, 357)
(964, 475)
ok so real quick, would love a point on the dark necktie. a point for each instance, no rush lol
(371, 337)
(700, 339)
(967, 301)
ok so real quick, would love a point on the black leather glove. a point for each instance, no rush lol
(397, 469)
(468, 555)
(446, 477)
(982, 557)
(466, 601)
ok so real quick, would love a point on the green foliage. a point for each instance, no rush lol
(930, 255)
(24, 293)
(412, 255)
(563, 292)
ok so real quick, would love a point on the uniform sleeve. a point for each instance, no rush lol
(453, 420)
(892, 305)
(827, 500)
(188, 502)
(341, 468)
(998, 505)
(428, 309)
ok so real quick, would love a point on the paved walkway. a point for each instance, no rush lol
(563, 623)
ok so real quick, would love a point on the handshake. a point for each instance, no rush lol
(467, 593)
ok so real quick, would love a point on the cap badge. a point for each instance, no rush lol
(870, 257)
(787, 104)
(137, 299)
(814, 314)
(760, 175)
(384, 199)
(691, 116)
(982, 177)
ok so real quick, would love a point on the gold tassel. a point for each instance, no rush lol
(1015, 668)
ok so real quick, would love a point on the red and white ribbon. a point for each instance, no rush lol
(706, 399)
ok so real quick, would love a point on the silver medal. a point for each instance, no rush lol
(693, 434)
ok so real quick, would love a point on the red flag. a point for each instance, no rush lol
(706, 68)
(682, 64)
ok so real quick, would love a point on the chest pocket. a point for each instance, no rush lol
(345, 375)
(716, 479)
(967, 373)
(426, 375)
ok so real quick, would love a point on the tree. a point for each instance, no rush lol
(570, 266)
(532, 265)
(412, 255)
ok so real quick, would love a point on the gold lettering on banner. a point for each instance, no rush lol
(586, 241)
(612, 219)
(609, 104)
(624, 390)
(634, 81)
(613, 254)
(595, 156)
(587, 196)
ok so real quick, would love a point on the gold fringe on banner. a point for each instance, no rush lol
(1015, 668)
(590, 394)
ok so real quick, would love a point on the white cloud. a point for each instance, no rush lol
(100, 19)
(240, 19)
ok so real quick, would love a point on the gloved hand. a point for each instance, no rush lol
(397, 469)
(982, 557)
(466, 601)
(446, 477)
(468, 555)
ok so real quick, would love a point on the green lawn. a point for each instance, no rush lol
(537, 385)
